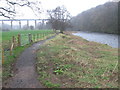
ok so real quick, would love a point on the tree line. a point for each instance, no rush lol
(103, 18)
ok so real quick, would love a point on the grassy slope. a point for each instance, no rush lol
(70, 61)
(9, 60)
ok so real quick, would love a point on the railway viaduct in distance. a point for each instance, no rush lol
(27, 22)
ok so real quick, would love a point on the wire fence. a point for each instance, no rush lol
(22, 40)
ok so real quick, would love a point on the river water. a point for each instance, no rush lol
(109, 39)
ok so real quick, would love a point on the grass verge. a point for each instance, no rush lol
(7, 67)
(73, 62)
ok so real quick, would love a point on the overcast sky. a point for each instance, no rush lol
(73, 6)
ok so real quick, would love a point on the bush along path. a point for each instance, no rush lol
(25, 75)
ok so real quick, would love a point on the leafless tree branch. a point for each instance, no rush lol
(10, 10)
(6, 10)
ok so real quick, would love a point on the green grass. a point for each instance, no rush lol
(6, 43)
(51, 85)
(73, 62)
(7, 35)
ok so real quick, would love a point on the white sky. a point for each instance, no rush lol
(73, 6)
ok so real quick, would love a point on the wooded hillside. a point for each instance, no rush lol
(103, 18)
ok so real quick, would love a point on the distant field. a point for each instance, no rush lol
(7, 35)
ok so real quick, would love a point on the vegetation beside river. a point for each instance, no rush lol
(73, 62)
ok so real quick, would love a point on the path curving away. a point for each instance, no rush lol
(25, 74)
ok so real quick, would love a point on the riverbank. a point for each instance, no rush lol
(98, 32)
(69, 61)
(104, 38)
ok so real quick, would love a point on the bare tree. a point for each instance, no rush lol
(59, 18)
(8, 7)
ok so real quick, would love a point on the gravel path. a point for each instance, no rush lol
(25, 74)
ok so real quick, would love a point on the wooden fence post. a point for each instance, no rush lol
(13, 40)
(11, 48)
(30, 38)
(2, 56)
(19, 40)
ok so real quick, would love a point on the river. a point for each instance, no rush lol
(109, 39)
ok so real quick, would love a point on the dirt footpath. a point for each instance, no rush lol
(25, 72)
